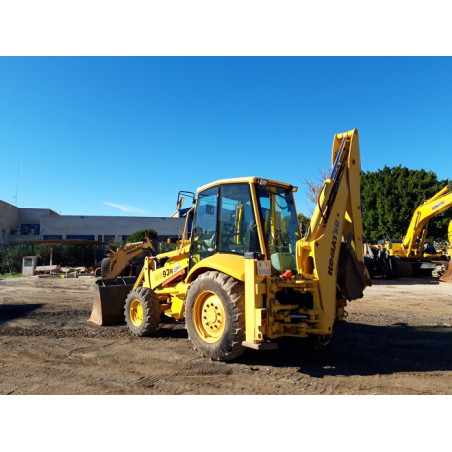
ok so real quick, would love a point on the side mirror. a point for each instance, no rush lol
(181, 199)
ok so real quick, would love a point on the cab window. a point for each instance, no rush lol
(224, 222)
(237, 224)
(204, 226)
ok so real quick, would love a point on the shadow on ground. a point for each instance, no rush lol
(426, 280)
(13, 311)
(359, 349)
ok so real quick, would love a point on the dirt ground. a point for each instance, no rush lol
(396, 340)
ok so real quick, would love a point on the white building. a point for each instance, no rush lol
(24, 224)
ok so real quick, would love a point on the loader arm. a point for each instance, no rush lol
(121, 258)
(438, 203)
(336, 230)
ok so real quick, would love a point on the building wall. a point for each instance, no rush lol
(22, 224)
(30, 220)
(74, 225)
(27, 215)
(9, 221)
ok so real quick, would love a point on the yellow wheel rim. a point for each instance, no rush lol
(136, 312)
(209, 317)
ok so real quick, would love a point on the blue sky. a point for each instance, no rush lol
(122, 135)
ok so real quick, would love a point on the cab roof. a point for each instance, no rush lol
(247, 180)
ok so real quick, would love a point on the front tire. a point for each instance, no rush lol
(142, 312)
(215, 316)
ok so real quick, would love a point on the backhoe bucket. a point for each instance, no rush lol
(447, 277)
(109, 299)
(352, 277)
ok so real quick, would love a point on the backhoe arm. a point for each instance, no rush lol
(332, 250)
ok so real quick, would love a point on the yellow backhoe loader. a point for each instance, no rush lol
(395, 258)
(242, 276)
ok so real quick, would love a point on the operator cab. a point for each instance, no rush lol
(237, 216)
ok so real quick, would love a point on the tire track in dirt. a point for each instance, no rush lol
(181, 364)
(388, 319)
(63, 333)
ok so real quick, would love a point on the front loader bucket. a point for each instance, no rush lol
(109, 298)
(447, 277)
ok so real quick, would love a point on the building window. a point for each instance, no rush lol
(80, 237)
(29, 229)
(109, 238)
(52, 237)
(124, 238)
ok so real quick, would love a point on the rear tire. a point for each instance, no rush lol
(142, 312)
(215, 316)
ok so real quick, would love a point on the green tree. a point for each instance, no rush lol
(304, 222)
(139, 236)
(389, 198)
(12, 255)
